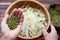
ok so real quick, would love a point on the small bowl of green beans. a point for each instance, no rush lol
(54, 11)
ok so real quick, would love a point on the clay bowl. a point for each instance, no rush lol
(31, 3)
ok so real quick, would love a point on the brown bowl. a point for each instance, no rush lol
(57, 7)
(31, 3)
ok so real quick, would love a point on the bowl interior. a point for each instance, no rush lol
(34, 4)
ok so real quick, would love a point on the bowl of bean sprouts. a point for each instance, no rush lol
(36, 17)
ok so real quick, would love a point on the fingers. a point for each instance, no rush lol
(20, 15)
(20, 12)
(52, 28)
(5, 18)
(13, 12)
(44, 32)
(17, 12)
(53, 32)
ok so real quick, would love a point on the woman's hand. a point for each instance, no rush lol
(52, 35)
(8, 34)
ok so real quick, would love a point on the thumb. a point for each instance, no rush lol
(53, 30)
(44, 32)
(5, 18)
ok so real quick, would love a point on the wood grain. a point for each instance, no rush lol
(2, 12)
(7, 0)
(5, 3)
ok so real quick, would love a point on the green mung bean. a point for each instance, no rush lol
(12, 22)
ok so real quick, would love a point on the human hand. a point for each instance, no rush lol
(52, 35)
(8, 34)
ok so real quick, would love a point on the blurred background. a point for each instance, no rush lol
(4, 4)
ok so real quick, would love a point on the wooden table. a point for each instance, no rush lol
(5, 3)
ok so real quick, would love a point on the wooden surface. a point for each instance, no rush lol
(5, 3)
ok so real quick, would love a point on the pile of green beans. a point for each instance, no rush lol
(55, 16)
(12, 22)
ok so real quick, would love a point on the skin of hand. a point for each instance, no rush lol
(8, 34)
(52, 35)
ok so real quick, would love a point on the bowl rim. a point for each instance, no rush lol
(37, 3)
